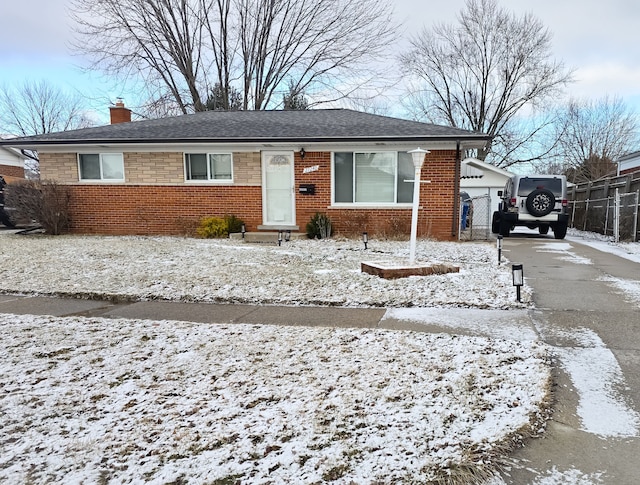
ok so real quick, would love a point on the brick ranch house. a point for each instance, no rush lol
(272, 169)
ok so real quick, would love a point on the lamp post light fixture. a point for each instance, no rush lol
(365, 239)
(499, 242)
(417, 156)
(518, 278)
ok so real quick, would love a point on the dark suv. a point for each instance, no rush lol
(535, 201)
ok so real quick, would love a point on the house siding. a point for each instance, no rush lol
(154, 199)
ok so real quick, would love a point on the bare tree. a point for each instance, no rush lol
(38, 107)
(484, 73)
(593, 134)
(183, 48)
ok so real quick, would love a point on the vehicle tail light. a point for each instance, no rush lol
(513, 201)
(565, 203)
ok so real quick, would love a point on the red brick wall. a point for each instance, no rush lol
(175, 209)
(149, 209)
(436, 200)
(12, 171)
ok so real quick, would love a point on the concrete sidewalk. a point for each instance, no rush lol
(515, 324)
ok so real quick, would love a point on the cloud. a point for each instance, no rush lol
(34, 28)
(611, 78)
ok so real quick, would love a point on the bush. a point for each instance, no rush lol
(319, 226)
(211, 227)
(218, 227)
(233, 224)
(45, 202)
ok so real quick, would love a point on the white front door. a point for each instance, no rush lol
(278, 191)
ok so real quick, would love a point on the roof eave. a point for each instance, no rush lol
(476, 140)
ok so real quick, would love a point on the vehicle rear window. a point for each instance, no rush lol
(527, 185)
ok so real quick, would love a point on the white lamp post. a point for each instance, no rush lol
(418, 159)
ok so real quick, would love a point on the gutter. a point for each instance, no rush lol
(455, 223)
(26, 142)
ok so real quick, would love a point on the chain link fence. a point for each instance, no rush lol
(615, 216)
(477, 224)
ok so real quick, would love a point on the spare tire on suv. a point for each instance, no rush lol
(534, 201)
(540, 202)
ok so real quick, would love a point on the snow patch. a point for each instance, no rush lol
(89, 400)
(596, 374)
(563, 249)
(569, 477)
(513, 324)
(630, 288)
(301, 272)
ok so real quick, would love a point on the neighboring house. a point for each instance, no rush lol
(629, 163)
(478, 178)
(272, 169)
(11, 162)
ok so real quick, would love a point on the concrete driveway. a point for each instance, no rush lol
(588, 310)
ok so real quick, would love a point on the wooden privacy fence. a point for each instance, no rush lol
(608, 206)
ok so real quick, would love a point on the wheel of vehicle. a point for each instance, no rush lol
(543, 229)
(505, 228)
(495, 223)
(560, 231)
(540, 202)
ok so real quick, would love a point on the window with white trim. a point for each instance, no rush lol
(373, 178)
(101, 166)
(216, 167)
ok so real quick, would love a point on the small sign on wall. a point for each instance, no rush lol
(313, 168)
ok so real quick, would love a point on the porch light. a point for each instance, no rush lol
(518, 278)
(302, 153)
(365, 239)
(499, 242)
(417, 156)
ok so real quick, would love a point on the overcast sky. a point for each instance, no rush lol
(596, 38)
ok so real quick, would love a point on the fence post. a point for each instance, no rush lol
(586, 215)
(606, 217)
(616, 217)
(635, 219)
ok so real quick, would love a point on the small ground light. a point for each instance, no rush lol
(243, 230)
(287, 236)
(365, 239)
(518, 278)
(499, 249)
(279, 238)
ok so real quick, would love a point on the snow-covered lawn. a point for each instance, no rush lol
(131, 401)
(93, 400)
(323, 272)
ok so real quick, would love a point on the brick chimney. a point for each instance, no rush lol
(119, 114)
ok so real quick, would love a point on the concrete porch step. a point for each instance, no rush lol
(266, 237)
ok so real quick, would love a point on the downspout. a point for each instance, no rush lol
(455, 223)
